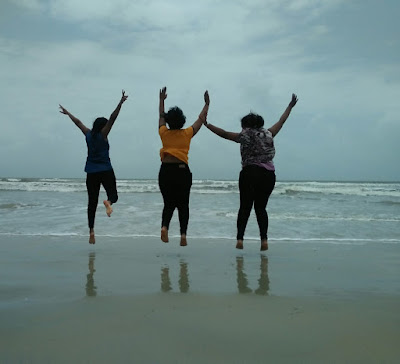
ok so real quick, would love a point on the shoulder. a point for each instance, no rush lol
(162, 129)
(244, 133)
(189, 131)
(268, 133)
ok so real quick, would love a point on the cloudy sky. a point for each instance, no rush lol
(341, 57)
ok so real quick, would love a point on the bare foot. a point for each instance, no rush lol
(92, 239)
(239, 244)
(264, 245)
(109, 209)
(183, 240)
(164, 234)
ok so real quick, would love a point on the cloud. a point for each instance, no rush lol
(250, 55)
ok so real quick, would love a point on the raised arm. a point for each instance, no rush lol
(223, 133)
(161, 110)
(76, 121)
(274, 129)
(107, 128)
(203, 114)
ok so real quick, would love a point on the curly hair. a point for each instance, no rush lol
(98, 124)
(175, 118)
(252, 120)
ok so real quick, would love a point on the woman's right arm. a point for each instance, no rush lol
(222, 133)
(76, 121)
(163, 96)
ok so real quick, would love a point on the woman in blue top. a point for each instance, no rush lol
(98, 165)
(257, 177)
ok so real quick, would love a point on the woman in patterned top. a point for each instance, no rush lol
(257, 177)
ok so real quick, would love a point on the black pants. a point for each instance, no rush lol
(175, 181)
(93, 182)
(255, 185)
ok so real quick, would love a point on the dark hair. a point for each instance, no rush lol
(252, 120)
(98, 124)
(175, 118)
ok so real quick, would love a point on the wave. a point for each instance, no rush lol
(389, 191)
(13, 206)
(390, 203)
(363, 189)
(305, 217)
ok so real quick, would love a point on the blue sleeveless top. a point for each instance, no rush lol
(98, 159)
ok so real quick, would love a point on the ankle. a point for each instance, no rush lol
(183, 240)
(264, 244)
(164, 234)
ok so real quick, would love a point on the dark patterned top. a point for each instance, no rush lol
(257, 147)
(98, 158)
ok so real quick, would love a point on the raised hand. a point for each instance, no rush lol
(163, 93)
(206, 98)
(123, 97)
(63, 111)
(293, 101)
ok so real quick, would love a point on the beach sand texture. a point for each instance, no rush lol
(137, 300)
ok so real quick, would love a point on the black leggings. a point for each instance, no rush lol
(175, 181)
(93, 182)
(255, 185)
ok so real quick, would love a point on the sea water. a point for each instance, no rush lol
(299, 212)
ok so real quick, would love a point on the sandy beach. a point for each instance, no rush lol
(139, 300)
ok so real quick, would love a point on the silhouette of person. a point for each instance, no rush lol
(257, 177)
(183, 280)
(90, 286)
(242, 281)
(175, 177)
(98, 168)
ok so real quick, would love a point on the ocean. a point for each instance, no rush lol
(299, 212)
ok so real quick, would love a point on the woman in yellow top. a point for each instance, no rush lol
(175, 178)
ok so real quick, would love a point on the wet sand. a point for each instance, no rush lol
(139, 300)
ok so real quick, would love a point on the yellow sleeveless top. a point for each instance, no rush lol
(175, 142)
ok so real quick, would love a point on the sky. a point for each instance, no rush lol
(341, 58)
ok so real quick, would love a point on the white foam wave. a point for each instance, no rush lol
(333, 218)
(389, 191)
(339, 188)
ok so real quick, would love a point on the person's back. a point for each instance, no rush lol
(257, 147)
(176, 142)
(98, 158)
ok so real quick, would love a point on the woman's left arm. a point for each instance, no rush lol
(274, 129)
(107, 128)
(203, 115)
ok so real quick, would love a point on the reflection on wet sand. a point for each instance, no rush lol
(241, 277)
(183, 281)
(165, 281)
(90, 287)
(242, 281)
